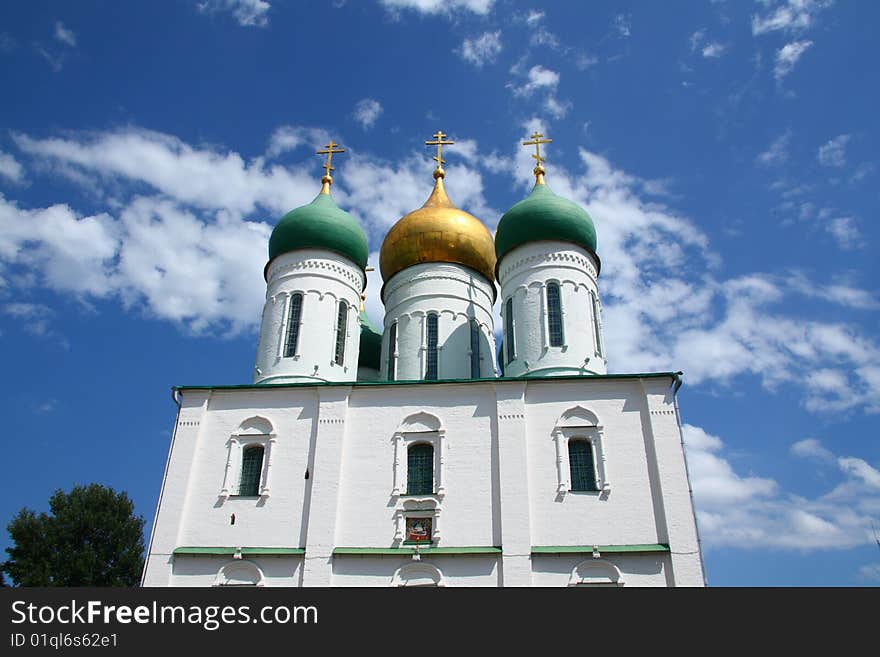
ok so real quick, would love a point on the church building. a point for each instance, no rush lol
(403, 456)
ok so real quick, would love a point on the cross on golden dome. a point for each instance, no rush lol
(328, 150)
(439, 143)
(536, 142)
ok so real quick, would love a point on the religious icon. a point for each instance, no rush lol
(418, 529)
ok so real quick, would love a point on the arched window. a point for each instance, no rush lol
(392, 350)
(554, 315)
(509, 341)
(431, 361)
(583, 470)
(293, 320)
(420, 469)
(251, 471)
(475, 349)
(342, 315)
(596, 330)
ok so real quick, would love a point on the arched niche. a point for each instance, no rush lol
(418, 573)
(595, 572)
(239, 573)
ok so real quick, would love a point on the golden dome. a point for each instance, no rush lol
(438, 232)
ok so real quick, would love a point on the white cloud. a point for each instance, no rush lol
(10, 168)
(846, 231)
(367, 111)
(714, 49)
(33, 317)
(433, 7)
(788, 56)
(538, 77)
(288, 138)
(754, 512)
(777, 152)
(64, 35)
(811, 448)
(833, 152)
(482, 49)
(871, 571)
(623, 25)
(789, 16)
(535, 16)
(248, 13)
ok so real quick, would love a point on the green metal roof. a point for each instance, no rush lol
(244, 550)
(371, 344)
(362, 551)
(675, 376)
(541, 216)
(610, 549)
(320, 225)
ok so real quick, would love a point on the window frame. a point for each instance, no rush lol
(591, 486)
(391, 371)
(509, 332)
(292, 327)
(554, 309)
(420, 445)
(432, 362)
(341, 333)
(474, 352)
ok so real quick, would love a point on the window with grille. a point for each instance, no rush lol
(475, 349)
(420, 469)
(509, 341)
(583, 470)
(251, 471)
(554, 315)
(293, 320)
(340, 333)
(392, 349)
(596, 323)
(431, 364)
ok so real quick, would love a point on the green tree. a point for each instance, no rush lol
(91, 537)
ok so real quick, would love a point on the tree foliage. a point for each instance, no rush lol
(91, 537)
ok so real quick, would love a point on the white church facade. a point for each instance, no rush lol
(404, 457)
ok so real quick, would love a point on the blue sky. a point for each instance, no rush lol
(725, 150)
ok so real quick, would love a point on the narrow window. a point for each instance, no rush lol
(554, 315)
(251, 470)
(596, 323)
(475, 349)
(583, 470)
(420, 469)
(293, 320)
(392, 350)
(431, 365)
(509, 341)
(340, 332)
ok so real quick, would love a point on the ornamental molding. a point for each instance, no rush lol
(669, 412)
(350, 274)
(511, 416)
(425, 276)
(188, 423)
(548, 259)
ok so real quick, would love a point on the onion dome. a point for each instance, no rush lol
(321, 224)
(371, 343)
(544, 216)
(438, 232)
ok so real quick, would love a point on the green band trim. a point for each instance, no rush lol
(244, 550)
(361, 551)
(575, 549)
(530, 379)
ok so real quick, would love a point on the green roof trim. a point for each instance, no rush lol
(675, 376)
(366, 551)
(244, 550)
(543, 216)
(320, 224)
(609, 549)
(371, 344)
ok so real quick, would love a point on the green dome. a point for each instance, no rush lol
(320, 225)
(543, 215)
(371, 344)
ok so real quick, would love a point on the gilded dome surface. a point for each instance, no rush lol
(543, 215)
(438, 232)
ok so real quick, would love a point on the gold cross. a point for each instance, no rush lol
(536, 142)
(439, 143)
(329, 150)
